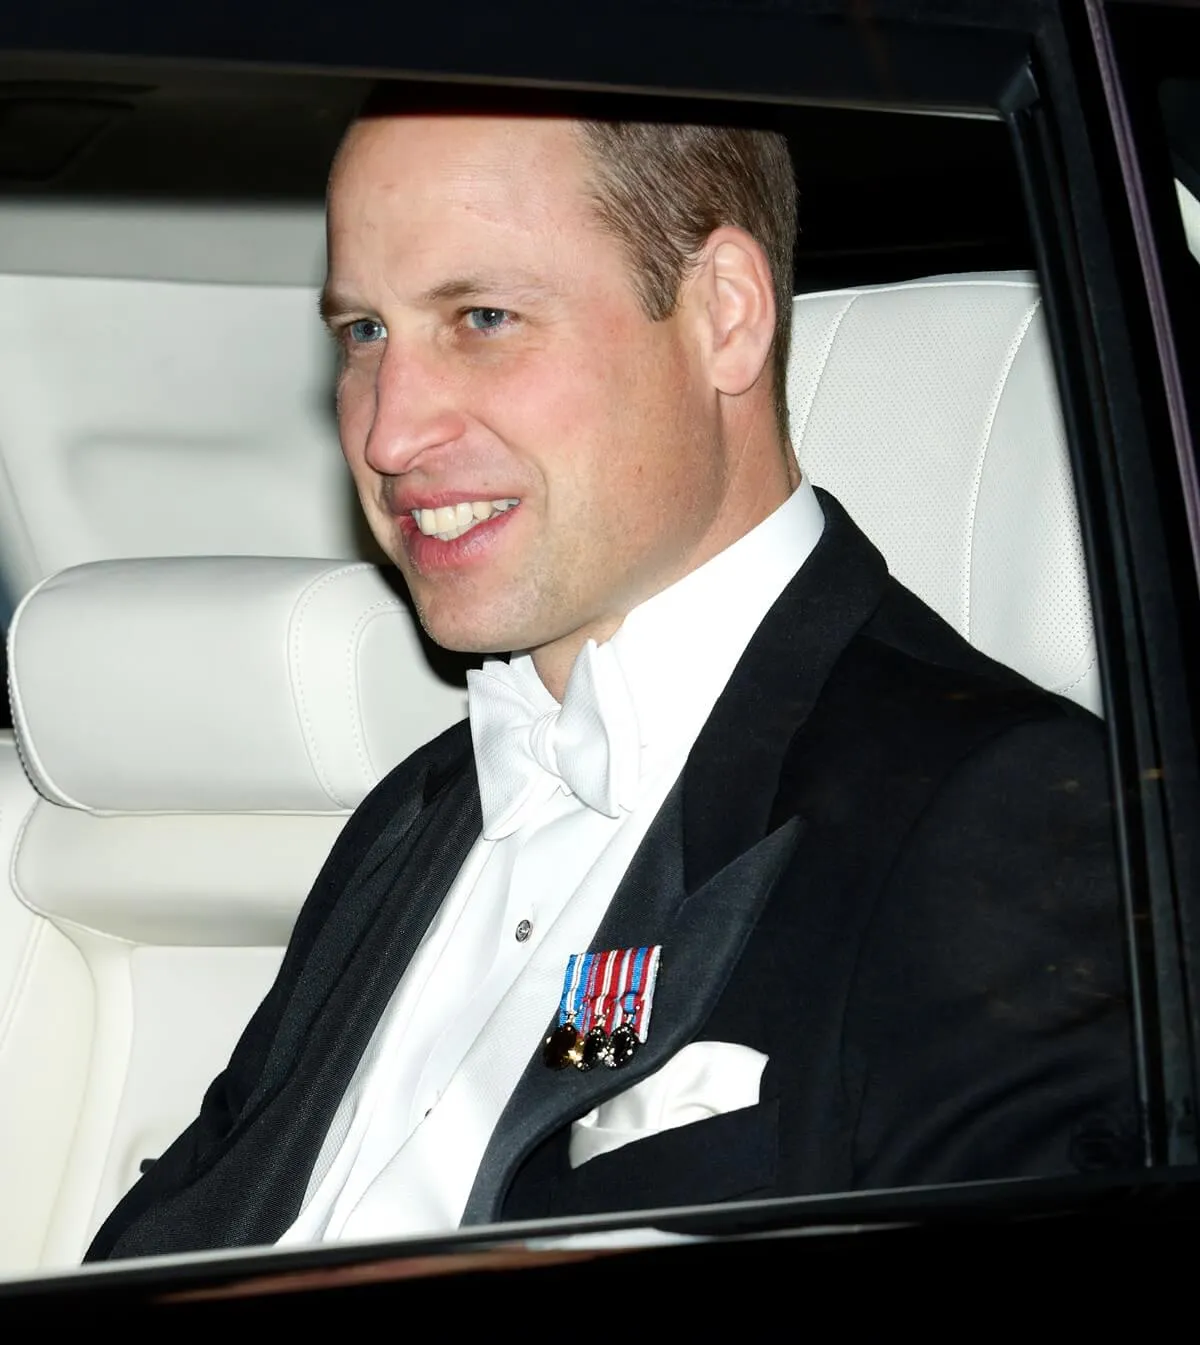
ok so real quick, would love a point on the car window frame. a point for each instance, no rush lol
(1119, 383)
(1041, 69)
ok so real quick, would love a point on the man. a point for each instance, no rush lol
(855, 878)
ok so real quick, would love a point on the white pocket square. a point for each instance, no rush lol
(705, 1079)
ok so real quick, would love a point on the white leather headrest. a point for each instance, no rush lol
(219, 684)
(930, 410)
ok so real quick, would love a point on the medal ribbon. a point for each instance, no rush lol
(610, 988)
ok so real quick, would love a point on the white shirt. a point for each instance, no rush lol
(471, 1009)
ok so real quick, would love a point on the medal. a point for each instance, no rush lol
(621, 1046)
(595, 1049)
(563, 1047)
(604, 1013)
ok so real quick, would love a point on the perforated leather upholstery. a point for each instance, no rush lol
(199, 729)
(930, 410)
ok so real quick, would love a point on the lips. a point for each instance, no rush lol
(452, 547)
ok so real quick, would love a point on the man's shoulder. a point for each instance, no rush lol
(909, 703)
(895, 646)
(906, 656)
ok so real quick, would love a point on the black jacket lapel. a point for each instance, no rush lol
(732, 775)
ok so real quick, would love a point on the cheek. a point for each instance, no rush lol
(655, 423)
(548, 411)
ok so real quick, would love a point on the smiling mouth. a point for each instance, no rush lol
(452, 520)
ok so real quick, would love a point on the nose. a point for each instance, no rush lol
(416, 411)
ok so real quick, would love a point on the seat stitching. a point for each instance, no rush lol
(297, 681)
(27, 752)
(989, 424)
(816, 387)
(1091, 663)
(13, 881)
(62, 923)
(354, 695)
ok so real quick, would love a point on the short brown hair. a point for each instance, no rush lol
(662, 188)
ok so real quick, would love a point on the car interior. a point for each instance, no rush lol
(209, 663)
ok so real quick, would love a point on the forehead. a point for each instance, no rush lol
(515, 173)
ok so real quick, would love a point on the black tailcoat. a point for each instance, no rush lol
(887, 865)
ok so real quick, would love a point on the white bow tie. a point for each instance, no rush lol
(525, 753)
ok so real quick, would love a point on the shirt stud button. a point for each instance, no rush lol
(524, 930)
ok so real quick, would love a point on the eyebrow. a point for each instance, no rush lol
(462, 287)
(522, 288)
(332, 306)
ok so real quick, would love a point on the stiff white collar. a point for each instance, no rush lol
(679, 648)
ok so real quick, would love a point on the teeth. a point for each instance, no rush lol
(452, 520)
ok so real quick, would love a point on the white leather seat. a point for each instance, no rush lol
(197, 730)
(930, 410)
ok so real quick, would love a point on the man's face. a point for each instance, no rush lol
(534, 453)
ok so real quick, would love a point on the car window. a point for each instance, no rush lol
(1000, 973)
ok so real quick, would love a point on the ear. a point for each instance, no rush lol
(735, 301)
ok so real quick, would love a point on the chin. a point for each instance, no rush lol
(465, 637)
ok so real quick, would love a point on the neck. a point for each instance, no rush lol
(555, 660)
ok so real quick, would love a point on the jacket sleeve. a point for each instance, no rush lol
(988, 1029)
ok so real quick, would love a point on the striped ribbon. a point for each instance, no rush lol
(610, 988)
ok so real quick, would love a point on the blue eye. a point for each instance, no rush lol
(365, 331)
(487, 319)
